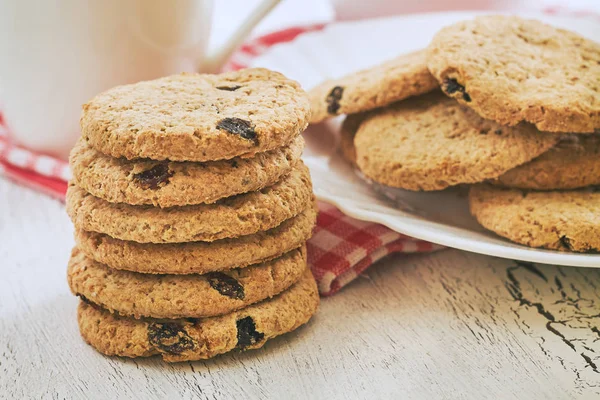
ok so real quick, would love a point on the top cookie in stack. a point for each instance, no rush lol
(516, 93)
(191, 204)
(191, 117)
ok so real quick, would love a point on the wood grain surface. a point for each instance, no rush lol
(451, 325)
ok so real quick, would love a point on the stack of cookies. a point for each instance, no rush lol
(509, 105)
(191, 209)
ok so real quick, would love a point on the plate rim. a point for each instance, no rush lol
(418, 231)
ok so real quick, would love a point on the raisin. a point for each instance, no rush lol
(498, 131)
(170, 338)
(333, 99)
(247, 335)
(234, 163)
(565, 242)
(238, 126)
(229, 88)
(226, 285)
(154, 177)
(452, 86)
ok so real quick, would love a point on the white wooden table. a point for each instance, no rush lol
(450, 325)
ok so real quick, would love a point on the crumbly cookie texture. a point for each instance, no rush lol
(196, 339)
(170, 183)
(197, 117)
(396, 79)
(231, 217)
(573, 163)
(560, 220)
(510, 69)
(431, 142)
(199, 257)
(182, 296)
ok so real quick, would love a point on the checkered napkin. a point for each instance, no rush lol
(343, 247)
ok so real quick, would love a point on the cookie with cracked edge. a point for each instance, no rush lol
(240, 215)
(431, 142)
(199, 257)
(181, 296)
(404, 76)
(197, 117)
(510, 70)
(196, 339)
(171, 183)
(573, 163)
(559, 220)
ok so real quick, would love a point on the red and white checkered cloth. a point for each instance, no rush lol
(341, 248)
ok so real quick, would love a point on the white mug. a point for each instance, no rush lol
(57, 54)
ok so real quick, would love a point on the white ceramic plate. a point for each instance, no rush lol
(440, 217)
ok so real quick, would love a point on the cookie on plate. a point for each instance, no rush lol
(181, 296)
(230, 217)
(396, 79)
(431, 142)
(196, 339)
(199, 257)
(510, 70)
(197, 117)
(560, 220)
(573, 163)
(170, 183)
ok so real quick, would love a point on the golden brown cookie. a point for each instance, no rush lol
(193, 117)
(199, 257)
(404, 76)
(431, 142)
(573, 163)
(510, 69)
(230, 217)
(561, 220)
(182, 296)
(188, 339)
(170, 183)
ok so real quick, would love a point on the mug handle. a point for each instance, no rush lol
(215, 61)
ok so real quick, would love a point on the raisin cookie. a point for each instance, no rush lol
(196, 339)
(510, 69)
(194, 117)
(170, 183)
(431, 142)
(240, 215)
(181, 296)
(573, 163)
(561, 220)
(199, 257)
(396, 79)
